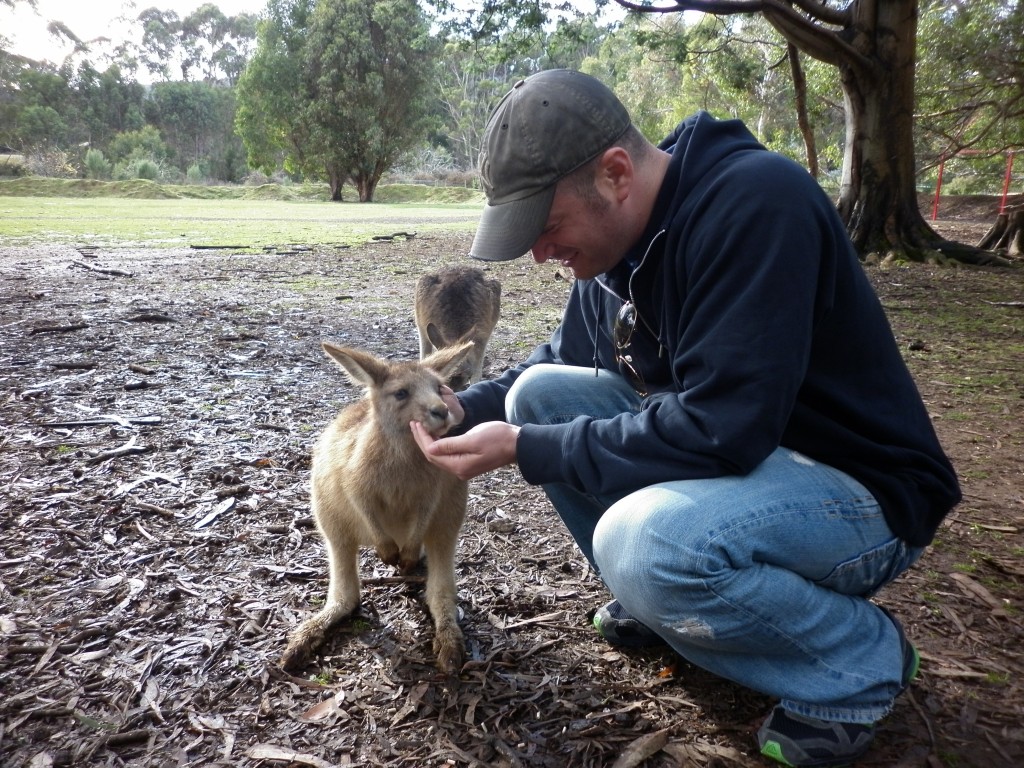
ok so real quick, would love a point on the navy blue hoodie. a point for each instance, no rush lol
(759, 329)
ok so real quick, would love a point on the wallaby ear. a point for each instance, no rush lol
(362, 368)
(434, 334)
(446, 361)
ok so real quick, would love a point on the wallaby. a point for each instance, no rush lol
(372, 486)
(454, 304)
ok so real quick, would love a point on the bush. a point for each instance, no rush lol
(12, 165)
(194, 174)
(51, 162)
(147, 169)
(96, 165)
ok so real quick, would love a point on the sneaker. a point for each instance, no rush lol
(617, 627)
(797, 740)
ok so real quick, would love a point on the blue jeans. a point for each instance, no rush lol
(762, 579)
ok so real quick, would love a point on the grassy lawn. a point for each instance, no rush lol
(27, 219)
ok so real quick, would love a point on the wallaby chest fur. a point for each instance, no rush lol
(387, 488)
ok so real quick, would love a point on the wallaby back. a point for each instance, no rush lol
(457, 303)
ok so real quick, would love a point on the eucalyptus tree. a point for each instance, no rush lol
(873, 46)
(204, 45)
(370, 78)
(338, 88)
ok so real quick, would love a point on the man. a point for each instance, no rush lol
(722, 419)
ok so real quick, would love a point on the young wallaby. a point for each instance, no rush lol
(372, 486)
(454, 304)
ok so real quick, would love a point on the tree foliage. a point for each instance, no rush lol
(205, 45)
(342, 88)
(982, 108)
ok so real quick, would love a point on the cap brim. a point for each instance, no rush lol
(509, 230)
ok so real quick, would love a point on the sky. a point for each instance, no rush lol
(89, 19)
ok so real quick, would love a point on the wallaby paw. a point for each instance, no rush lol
(450, 654)
(388, 554)
(295, 657)
(409, 567)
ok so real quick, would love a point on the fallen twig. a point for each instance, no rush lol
(103, 270)
(128, 737)
(128, 448)
(151, 317)
(100, 421)
(58, 328)
(406, 235)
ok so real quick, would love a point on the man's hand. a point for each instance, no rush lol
(485, 447)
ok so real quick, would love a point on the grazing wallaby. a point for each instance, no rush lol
(372, 486)
(458, 304)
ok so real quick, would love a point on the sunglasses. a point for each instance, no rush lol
(622, 337)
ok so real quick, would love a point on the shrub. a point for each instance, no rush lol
(147, 169)
(194, 174)
(50, 162)
(12, 165)
(96, 165)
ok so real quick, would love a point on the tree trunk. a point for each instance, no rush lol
(878, 195)
(803, 121)
(1007, 234)
(336, 179)
(367, 186)
(875, 51)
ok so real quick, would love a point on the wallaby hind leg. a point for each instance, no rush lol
(449, 646)
(342, 600)
(426, 348)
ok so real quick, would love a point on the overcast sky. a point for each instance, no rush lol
(90, 19)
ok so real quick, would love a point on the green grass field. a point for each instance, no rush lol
(112, 214)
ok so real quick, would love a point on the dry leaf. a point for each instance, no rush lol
(641, 749)
(973, 588)
(271, 752)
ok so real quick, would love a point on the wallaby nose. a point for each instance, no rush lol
(440, 412)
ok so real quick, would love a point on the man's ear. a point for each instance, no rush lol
(615, 172)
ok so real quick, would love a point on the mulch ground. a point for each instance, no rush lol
(158, 410)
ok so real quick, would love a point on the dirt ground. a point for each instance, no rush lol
(157, 546)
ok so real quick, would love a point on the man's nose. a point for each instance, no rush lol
(540, 251)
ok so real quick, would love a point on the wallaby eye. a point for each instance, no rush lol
(401, 394)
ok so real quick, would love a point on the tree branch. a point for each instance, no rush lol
(839, 17)
(802, 31)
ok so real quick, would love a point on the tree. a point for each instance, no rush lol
(196, 119)
(873, 46)
(271, 117)
(370, 73)
(982, 112)
(342, 88)
(206, 41)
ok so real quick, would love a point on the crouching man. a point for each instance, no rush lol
(722, 419)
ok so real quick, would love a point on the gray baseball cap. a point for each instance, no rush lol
(542, 130)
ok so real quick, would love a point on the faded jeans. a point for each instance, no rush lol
(762, 579)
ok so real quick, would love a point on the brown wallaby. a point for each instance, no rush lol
(454, 304)
(372, 486)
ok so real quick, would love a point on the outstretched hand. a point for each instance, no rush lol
(483, 448)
